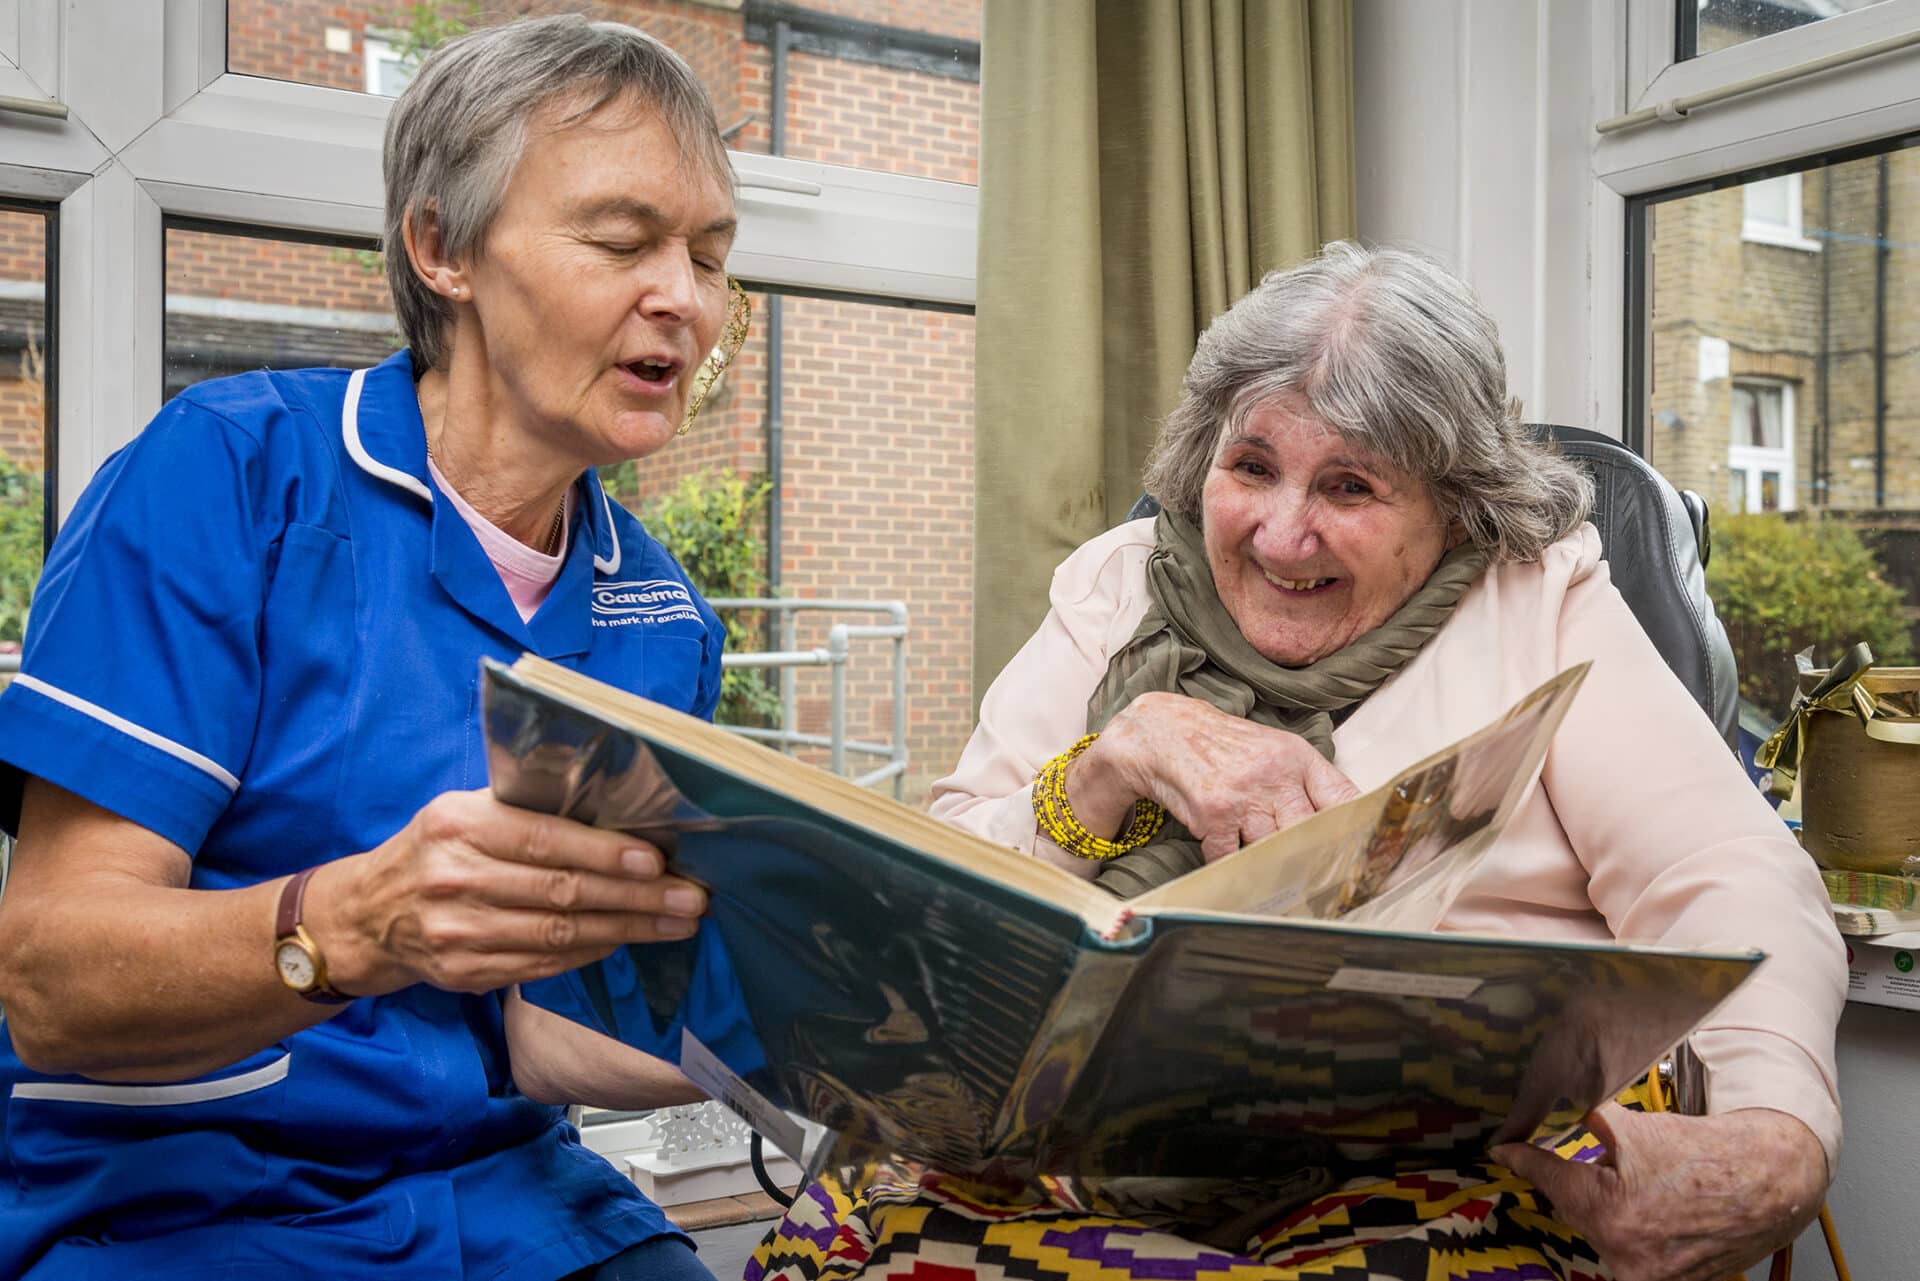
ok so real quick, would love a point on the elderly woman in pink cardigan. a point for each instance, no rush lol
(1361, 557)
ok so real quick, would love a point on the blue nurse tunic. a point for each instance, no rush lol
(259, 637)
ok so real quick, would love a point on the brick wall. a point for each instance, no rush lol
(23, 261)
(254, 269)
(1771, 303)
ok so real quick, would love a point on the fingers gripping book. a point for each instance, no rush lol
(926, 995)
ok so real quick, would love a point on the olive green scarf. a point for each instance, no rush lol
(1189, 644)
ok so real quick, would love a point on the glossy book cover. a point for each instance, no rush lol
(932, 998)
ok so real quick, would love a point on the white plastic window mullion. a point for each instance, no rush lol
(832, 227)
(110, 317)
(195, 51)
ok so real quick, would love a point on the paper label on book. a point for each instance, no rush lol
(1444, 987)
(704, 1068)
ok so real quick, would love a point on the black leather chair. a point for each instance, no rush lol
(1656, 541)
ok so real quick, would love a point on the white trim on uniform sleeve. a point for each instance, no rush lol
(178, 751)
(350, 432)
(613, 537)
(155, 1096)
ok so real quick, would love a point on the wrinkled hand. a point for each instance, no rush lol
(1683, 1198)
(1229, 780)
(474, 895)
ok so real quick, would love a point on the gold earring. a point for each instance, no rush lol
(733, 334)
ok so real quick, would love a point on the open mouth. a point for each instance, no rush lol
(649, 370)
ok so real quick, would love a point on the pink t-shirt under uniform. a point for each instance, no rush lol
(1642, 826)
(527, 573)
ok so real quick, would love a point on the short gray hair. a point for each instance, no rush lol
(457, 133)
(1393, 352)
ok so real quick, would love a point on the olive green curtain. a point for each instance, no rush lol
(1143, 163)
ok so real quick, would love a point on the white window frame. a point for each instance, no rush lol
(1863, 103)
(158, 127)
(1789, 233)
(1756, 458)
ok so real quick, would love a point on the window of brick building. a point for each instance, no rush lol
(26, 397)
(1784, 387)
(1760, 447)
(1773, 212)
(388, 65)
(239, 300)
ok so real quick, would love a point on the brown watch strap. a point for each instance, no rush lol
(292, 895)
(287, 925)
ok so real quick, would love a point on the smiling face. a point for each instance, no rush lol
(1312, 541)
(601, 285)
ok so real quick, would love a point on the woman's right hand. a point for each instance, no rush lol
(1227, 779)
(474, 895)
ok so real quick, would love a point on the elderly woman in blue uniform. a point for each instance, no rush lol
(261, 951)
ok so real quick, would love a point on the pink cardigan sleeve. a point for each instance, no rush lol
(1679, 847)
(1037, 706)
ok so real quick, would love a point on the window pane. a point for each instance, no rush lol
(1757, 416)
(238, 301)
(25, 439)
(1721, 24)
(877, 84)
(1766, 199)
(1810, 351)
(876, 503)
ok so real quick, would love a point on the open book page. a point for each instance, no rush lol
(1400, 853)
(586, 793)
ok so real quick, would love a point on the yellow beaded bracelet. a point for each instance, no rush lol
(1056, 818)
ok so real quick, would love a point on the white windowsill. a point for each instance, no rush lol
(1772, 233)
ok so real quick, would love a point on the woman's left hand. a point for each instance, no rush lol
(1683, 1198)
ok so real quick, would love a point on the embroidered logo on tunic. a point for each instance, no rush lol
(658, 600)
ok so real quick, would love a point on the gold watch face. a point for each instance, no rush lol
(295, 966)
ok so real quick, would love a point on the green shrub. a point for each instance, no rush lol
(22, 539)
(1781, 585)
(712, 523)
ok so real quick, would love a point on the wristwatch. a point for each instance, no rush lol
(296, 957)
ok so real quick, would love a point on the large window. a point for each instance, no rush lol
(1782, 383)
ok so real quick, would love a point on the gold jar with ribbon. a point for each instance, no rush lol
(1850, 752)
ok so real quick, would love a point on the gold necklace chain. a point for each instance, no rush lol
(552, 546)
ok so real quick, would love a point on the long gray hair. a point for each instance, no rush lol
(1392, 351)
(457, 133)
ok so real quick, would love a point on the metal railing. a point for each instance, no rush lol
(835, 655)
